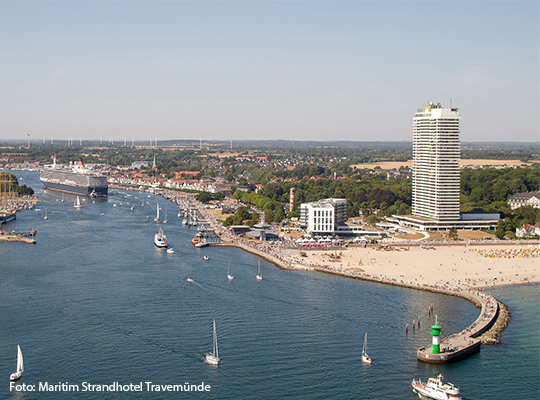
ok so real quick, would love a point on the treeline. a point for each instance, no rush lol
(507, 225)
(9, 184)
(490, 189)
(481, 190)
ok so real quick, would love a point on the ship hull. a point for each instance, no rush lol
(7, 217)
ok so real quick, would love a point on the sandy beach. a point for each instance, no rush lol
(463, 267)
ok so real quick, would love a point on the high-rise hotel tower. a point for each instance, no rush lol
(436, 155)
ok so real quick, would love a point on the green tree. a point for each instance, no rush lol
(204, 197)
(268, 216)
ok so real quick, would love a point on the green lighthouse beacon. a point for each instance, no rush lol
(436, 331)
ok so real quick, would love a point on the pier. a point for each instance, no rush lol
(461, 345)
(15, 237)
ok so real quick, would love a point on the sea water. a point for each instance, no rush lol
(94, 302)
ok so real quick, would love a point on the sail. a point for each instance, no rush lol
(20, 365)
(364, 348)
(215, 347)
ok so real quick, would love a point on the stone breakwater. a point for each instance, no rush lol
(493, 319)
(492, 336)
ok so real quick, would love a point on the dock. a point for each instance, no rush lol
(13, 237)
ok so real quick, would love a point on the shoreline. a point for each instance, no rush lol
(486, 329)
(495, 324)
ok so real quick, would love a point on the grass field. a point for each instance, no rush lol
(485, 163)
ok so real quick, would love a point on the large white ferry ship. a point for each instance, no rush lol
(436, 389)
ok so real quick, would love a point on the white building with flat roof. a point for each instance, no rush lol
(436, 155)
(323, 216)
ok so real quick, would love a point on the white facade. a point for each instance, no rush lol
(524, 199)
(436, 155)
(323, 216)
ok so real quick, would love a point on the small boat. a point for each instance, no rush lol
(184, 221)
(213, 357)
(190, 279)
(365, 357)
(165, 220)
(229, 276)
(132, 208)
(20, 366)
(436, 389)
(170, 251)
(259, 276)
(78, 203)
(160, 240)
(157, 216)
(206, 258)
(45, 217)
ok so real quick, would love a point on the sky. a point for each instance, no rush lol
(291, 70)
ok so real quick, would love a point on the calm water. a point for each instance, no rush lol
(95, 301)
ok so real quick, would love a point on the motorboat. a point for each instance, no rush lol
(170, 251)
(190, 279)
(201, 243)
(213, 357)
(206, 258)
(160, 240)
(20, 366)
(436, 389)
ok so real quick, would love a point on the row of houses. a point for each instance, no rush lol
(171, 183)
(528, 230)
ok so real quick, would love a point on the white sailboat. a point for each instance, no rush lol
(259, 276)
(229, 276)
(20, 366)
(213, 357)
(165, 220)
(157, 215)
(45, 217)
(78, 203)
(365, 357)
